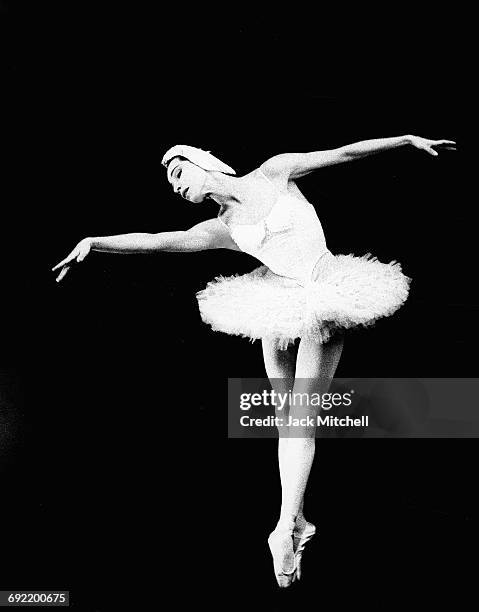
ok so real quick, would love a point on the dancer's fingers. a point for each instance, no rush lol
(59, 265)
(82, 255)
(65, 261)
(62, 273)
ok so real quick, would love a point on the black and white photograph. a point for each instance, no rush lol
(239, 307)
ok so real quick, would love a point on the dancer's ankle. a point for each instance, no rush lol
(300, 520)
(286, 522)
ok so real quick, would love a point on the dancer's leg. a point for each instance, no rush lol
(315, 367)
(315, 363)
(280, 368)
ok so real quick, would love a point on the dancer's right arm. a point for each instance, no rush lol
(211, 234)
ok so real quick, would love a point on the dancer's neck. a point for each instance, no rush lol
(227, 191)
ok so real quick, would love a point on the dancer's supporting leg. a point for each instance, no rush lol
(280, 368)
(315, 368)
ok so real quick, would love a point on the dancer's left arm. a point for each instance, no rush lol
(296, 165)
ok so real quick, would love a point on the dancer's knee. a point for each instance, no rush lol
(279, 364)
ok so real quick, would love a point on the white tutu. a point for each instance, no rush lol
(347, 291)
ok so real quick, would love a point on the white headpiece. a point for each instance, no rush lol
(201, 158)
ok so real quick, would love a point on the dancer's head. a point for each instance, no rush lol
(188, 169)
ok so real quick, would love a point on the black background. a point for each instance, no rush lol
(116, 469)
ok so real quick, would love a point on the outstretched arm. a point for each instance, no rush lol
(296, 165)
(209, 234)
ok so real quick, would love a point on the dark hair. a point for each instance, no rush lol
(175, 157)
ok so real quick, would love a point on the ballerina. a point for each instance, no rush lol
(299, 302)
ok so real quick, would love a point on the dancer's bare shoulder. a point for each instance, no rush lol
(276, 173)
(281, 178)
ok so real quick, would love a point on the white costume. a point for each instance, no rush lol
(302, 288)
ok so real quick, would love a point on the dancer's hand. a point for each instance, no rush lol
(78, 254)
(430, 145)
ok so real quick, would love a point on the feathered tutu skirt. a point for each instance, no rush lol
(345, 291)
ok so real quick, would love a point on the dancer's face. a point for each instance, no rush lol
(187, 179)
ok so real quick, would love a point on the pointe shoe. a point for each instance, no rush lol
(300, 538)
(280, 543)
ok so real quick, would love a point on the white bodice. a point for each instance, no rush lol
(289, 240)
